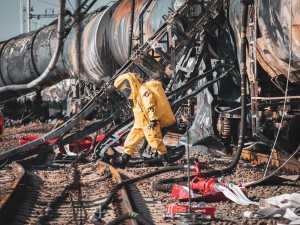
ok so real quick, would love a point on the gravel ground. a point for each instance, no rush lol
(7, 178)
(12, 135)
(226, 212)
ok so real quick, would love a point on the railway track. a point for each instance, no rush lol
(11, 177)
(40, 191)
(47, 195)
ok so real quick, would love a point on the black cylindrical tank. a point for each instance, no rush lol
(25, 57)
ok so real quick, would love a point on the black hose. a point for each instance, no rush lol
(162, 187)
(243, 71)
(92, 146)
(131, 181)
(132, 215)
(167, 184)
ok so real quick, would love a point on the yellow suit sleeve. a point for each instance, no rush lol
(149, 103)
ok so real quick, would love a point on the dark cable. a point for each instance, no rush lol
(132, 215)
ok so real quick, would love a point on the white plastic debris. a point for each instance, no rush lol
(282, 206)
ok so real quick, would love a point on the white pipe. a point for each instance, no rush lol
(237, 190)
(52, 63)
(236, 196)
(229, 194)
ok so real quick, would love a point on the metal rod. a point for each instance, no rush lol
(78, 46)
(188, 163)
(276, 98)
(291, 25)
(28, 16)
(21, 16)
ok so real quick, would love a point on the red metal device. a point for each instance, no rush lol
(83, 144)
(77, 146)
(174, 209)
(201, 189)
(1, 126)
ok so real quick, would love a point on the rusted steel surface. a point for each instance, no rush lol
(124, 204)
(119, 29)
(276, 160)
(273, 35)
(18, 172)
(273, 43)
(96, 57)
(148, 17)
(25, 57)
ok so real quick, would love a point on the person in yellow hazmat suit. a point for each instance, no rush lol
(151, 111)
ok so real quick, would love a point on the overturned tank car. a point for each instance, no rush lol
(230, 69)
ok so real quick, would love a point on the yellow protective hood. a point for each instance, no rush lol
(135, 84)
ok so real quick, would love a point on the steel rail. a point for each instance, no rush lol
(122, 196)
(19, 173)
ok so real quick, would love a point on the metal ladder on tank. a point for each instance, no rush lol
(253, 68)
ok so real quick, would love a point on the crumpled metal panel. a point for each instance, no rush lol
(273, 45)
(152, 17)
(96, 57)
(273, 42)
(57, 92)
(201, 133)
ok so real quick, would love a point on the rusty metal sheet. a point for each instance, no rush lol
(96, 57)
(273, 39)
(273, 44)
(276, 160)
(148, 17)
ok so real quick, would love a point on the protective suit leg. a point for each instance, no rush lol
(134, 137)
(154, 138)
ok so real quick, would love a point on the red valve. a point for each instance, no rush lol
(201, 186)
(202, 189)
